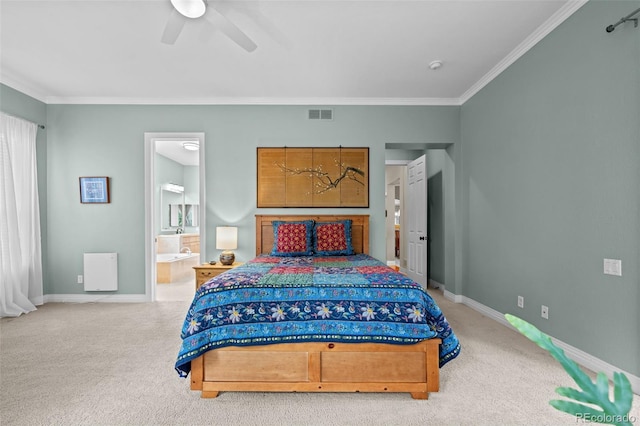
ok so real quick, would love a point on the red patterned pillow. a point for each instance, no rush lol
(292, 238)
(333, 238)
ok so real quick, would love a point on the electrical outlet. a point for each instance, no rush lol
(80, 279)
(520, 302)
(544, 312)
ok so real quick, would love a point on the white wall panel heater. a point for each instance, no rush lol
(100, 271)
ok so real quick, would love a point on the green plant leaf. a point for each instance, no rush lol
(574, 394)
(575, 408)
(602, 385)
(622, 392)
(596, 394)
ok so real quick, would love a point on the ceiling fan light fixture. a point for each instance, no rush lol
(190, 8)
(191, 146)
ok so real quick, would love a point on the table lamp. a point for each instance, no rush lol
(227, 240)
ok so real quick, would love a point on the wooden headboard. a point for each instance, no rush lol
(359, 229)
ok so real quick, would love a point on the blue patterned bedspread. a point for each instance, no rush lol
(271, 300)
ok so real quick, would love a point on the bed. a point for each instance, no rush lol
(312, 330)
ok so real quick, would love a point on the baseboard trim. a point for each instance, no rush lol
(582, 358)
(96, 298)
(452, 297)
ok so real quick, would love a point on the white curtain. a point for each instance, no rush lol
(20, 245)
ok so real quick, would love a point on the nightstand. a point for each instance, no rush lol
(206, 271)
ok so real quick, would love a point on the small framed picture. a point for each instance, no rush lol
(94, 189)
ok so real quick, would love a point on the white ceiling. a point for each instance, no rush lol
(174, 150)
(309, 52)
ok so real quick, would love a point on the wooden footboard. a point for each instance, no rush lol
(319, 367)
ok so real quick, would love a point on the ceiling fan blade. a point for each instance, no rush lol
(253, 12)
(174, 26)
(230, 30)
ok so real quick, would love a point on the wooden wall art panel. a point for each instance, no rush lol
(313, 177)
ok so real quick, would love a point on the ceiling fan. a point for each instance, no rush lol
(184, 10)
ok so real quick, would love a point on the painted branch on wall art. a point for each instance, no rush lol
(313, 177)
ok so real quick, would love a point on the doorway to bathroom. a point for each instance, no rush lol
(394, 212)
(175, 218)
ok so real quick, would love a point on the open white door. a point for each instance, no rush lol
(416, 204)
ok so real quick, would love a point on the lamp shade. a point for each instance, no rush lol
(226, 237)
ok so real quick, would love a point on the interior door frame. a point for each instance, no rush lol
(150, 139)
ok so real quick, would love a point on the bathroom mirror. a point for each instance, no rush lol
(191, 215)
(171, 195)
(176, 215)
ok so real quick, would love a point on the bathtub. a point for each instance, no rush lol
(172, 267)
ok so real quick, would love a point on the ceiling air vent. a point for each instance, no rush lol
(320, 114)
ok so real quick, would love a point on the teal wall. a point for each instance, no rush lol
(436, 215)
(191, 186)
(108, 140)
(551, 155)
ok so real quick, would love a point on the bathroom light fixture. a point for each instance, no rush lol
(190, 8)
(227, 240)
(172, 187)
(434, 65)
(191, 146)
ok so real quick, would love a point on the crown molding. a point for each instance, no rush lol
(541, 32)
(22, 87)
(38, 94)
(255, 101)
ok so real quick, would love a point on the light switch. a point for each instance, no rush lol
(613, 267)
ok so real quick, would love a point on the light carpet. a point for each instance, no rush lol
(112, 364)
